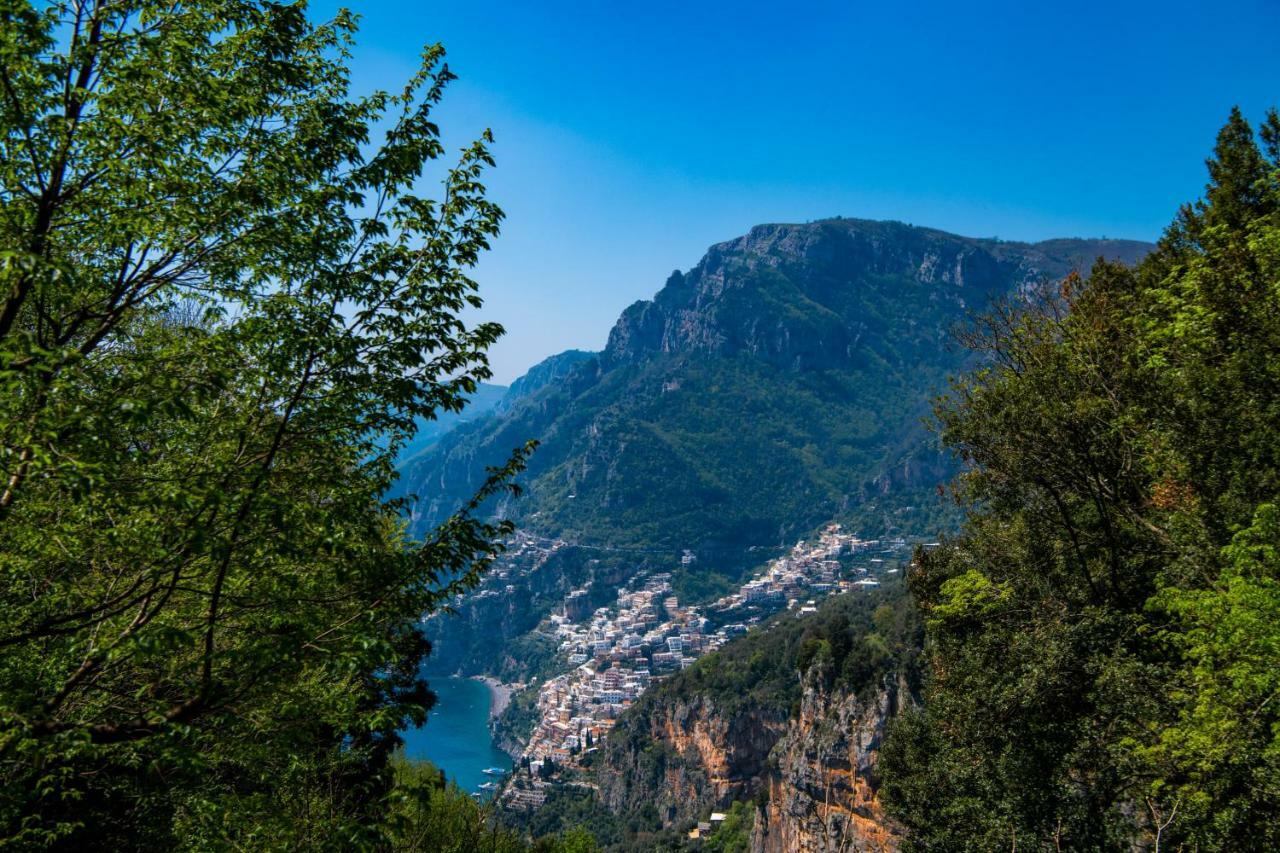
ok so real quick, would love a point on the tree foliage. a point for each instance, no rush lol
(223, 306)
(733, 835)
(430, 815)
(1102, 639)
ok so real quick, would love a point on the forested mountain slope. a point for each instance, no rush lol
(780, 382)
(430, 431)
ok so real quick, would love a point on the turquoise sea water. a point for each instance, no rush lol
(456, 735)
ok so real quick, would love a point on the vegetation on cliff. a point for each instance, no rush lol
(733, 835)
(428, 814)
(1102, 641)
(857, 638)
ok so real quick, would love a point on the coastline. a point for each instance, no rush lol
(499, 695)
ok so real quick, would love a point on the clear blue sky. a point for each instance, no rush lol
(632, 135)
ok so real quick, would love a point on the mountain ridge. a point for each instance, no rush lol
(806, 306)
(781, 383)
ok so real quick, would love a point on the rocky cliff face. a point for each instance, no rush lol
(797, 295)
(823, 788)
(787, 720)
(812, 774)
(692, 756)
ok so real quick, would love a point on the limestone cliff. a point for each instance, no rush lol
(811, 774)
(823, 788)
(689, 757)
(787, 720)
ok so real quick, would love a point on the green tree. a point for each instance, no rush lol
(223, 304)
(429, 815)
(733, 835)
(1101, 639)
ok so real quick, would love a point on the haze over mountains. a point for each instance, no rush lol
(780, 382)
(484, 400)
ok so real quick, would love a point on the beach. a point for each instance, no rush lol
(499, 695)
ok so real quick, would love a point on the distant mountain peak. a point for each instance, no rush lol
(791, 292)
(551, 369)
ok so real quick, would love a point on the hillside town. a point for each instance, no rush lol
(617, 652)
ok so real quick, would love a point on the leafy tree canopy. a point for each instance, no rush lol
(1102, 640)
(223, 306)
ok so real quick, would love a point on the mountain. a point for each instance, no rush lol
(544, 373)
(779, 383)
(483, 401)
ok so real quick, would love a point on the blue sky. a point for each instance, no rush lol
(632, 135)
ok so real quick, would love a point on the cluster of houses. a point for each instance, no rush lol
(813, 569)
(617, 652)
(525, 553)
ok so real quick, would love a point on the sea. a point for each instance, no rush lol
(456, 736)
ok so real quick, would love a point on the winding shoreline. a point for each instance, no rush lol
(499, 695)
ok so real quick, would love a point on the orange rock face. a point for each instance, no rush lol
(823, 795)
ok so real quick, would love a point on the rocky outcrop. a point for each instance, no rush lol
(823, 788)
(812, 775)
(796, 295)
(690, 756)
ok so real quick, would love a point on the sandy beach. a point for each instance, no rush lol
(499, 695)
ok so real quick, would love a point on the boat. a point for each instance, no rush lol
(494, 771)
(490, 786)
